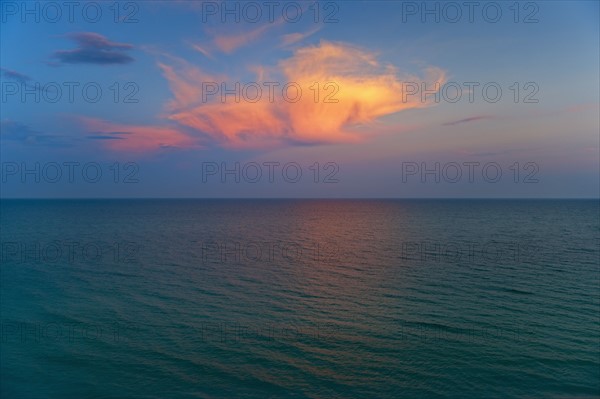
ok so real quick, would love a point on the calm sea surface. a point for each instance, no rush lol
(300, 299)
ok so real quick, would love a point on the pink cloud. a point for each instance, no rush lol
(137, 138)
(292, 38)
(359, 87)
(202, 51)
(229, 43)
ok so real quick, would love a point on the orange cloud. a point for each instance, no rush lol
(359, 88)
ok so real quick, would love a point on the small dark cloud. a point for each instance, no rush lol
(19, 132)
(24, 80)
(501, 153)
(466, 120)
(94, 48)
(486, 154)
(108, 135)
(14, 75)
(10, 130)
(105, 138)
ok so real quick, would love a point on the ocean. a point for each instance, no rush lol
(300, 298)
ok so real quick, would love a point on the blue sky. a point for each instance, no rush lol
(160, 58)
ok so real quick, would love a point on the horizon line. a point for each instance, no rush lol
(299, 198)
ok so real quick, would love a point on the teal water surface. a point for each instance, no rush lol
(300, 299)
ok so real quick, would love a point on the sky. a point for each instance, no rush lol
(330, 99)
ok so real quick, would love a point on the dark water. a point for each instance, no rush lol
(300, 299)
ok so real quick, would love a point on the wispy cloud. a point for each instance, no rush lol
(137, 138)
(228, 43)
(25, 80)
(14, 75)
(583, 107)
(108, 135)
(467, 120)
(292, 38)
(94, 48)
(202, 51)
(18, 132)
(101, 137)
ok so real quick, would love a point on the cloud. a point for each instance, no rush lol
(25, 81)
(583, 107)
(293, 38)
(136, 138)
(466, 120)
(230, 43)
(364, 88)
(11, 130)
(19, 132)
(14, 75)
(186, 83)
(104, 137)
(202, 51)
(94, 48)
